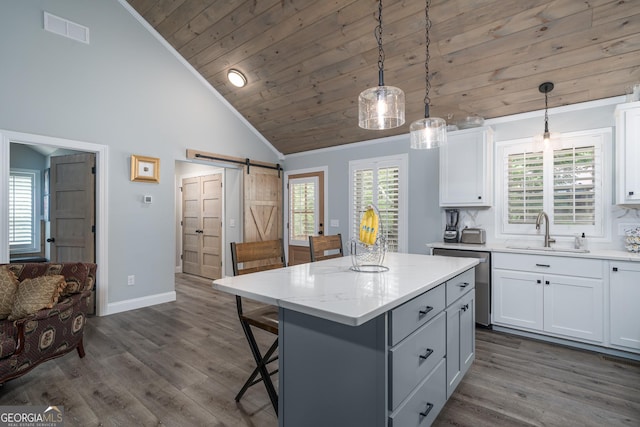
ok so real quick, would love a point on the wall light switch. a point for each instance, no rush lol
(131, 280)
(232, 222)
(335, 223)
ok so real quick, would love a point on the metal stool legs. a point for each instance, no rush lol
(261, 367)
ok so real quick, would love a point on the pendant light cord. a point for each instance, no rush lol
(378, 34)
(427, 41)
(546, 112)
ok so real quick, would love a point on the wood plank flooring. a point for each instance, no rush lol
(181, 363)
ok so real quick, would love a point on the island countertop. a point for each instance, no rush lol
(330, 290)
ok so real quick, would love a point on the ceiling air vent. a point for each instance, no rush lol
(66, 28)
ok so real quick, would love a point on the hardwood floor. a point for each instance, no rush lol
(181, 364)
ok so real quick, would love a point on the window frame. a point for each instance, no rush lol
(36, 214)
(400, 161)
(602, 141)
(315, 181)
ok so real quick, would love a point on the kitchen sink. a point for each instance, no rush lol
(552, 249)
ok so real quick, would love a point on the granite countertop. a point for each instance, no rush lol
(606, 254)
(330, 290)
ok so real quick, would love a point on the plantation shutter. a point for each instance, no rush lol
(389, 204)
(303, 195)
(21, 210)
(362, 181)
(379, 186)
(574, 186)
(525, 187)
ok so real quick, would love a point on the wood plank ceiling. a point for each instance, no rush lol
(306, 61)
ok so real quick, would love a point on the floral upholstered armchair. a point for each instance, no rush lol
(43, 309)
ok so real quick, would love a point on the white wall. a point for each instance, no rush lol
(126, 91)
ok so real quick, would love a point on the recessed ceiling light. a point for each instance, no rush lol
(236, 78)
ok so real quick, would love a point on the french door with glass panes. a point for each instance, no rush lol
(306, 213)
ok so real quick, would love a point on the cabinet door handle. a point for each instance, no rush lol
(463, 285)
(631, 193)
(538, 281)
(479, 197)
(426, 354)
(543, 265)
(465, 307)
(546, 282)
(426, 310)
(615, 268)
(427, 410)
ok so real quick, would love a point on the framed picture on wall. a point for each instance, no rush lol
(145, 169)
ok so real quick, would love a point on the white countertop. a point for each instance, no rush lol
(606, 254)
(330, 290)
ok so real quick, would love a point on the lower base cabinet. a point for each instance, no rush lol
(544, 294)
(624, 295)
(461, 340)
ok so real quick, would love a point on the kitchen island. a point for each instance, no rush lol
(368, 349)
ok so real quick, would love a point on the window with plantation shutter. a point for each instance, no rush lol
(381, 182)
(574, 186)
(566, 181)
(23, 225)
(525, 187)
(303, 206)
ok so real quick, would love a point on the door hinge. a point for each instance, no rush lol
(180, 256)
(181, 224)
(93, 170)
(93, 228)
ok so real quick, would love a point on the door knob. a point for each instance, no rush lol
(51, 240)
(320, 233)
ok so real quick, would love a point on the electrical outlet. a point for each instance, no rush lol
(626, 226)
(131, 280)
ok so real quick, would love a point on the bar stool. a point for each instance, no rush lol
(319, 244)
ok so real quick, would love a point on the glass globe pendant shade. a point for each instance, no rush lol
(381, 107)
(430, 132)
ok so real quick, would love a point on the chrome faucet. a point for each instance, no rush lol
(547, 240)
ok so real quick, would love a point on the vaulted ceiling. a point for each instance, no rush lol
(306, 61)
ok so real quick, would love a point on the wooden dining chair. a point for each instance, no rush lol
(318, 245)
(254, 257)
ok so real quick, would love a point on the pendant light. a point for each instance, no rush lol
(545, 140)
(381, 107)
(430, 132)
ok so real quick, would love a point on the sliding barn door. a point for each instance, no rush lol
(202, 226)
(262, 204)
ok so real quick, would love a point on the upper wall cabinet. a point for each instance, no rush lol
(627, 154)
(466, 168)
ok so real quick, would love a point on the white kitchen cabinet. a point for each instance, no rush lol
(558, 296)
(466, 168)
(624, 295)
(627, 154)
(517, 299)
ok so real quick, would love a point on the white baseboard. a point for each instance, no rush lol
(132, 304)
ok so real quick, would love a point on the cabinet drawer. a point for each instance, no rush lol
(428, 399)
(460, 285)
(412, 360)
(544, 264)
(411, 315)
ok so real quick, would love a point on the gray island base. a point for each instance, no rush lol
(368, 349)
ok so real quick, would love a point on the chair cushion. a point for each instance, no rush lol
(36, 294)
(8, 287)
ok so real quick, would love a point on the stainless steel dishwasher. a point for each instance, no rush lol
(483, 280)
